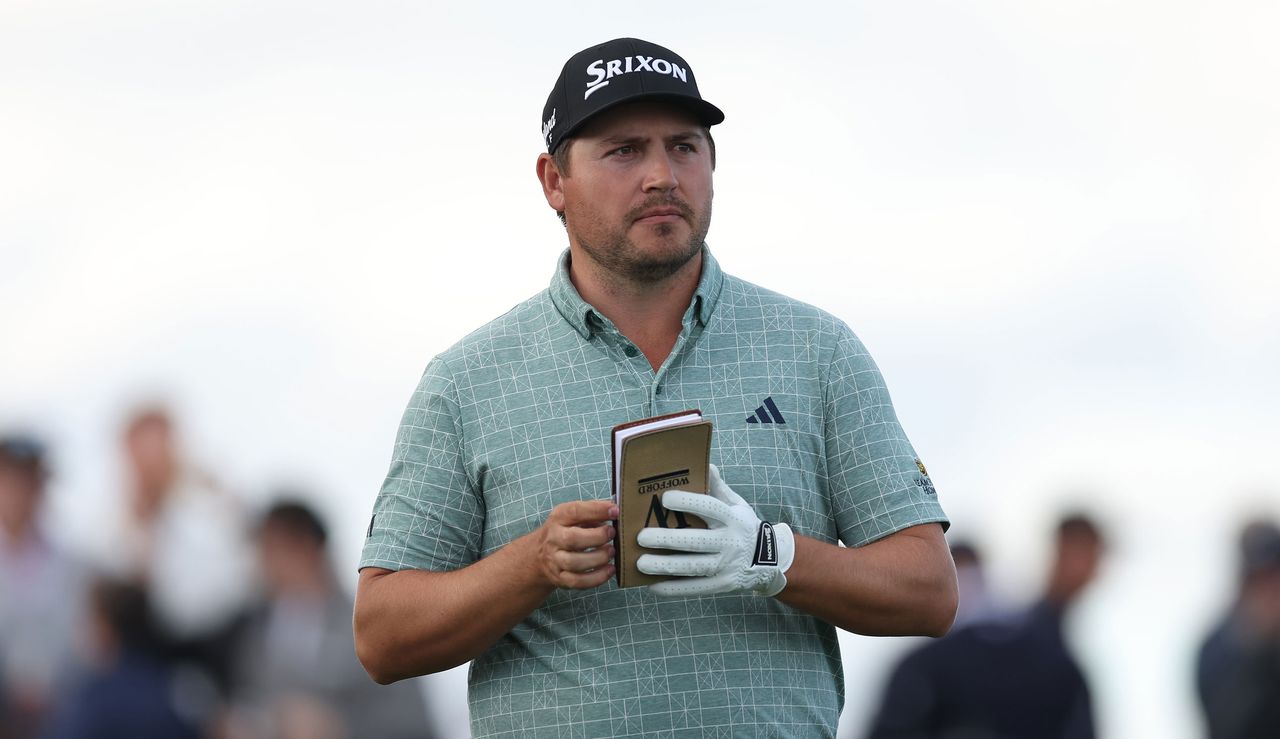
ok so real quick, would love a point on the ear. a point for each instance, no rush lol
(551, 179)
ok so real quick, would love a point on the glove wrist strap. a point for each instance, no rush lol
(776, 547)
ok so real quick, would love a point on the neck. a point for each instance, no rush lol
(649, 314)
(311, 585)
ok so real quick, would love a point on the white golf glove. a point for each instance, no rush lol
(737, 552)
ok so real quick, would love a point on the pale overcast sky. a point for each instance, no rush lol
(1054, 224)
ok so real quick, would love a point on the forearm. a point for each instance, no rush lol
(902, 585)
(415, 622)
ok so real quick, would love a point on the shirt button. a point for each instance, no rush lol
(657, 390)
(631, 351)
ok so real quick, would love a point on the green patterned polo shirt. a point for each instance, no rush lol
(515, 419)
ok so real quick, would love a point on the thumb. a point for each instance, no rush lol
(720, 490)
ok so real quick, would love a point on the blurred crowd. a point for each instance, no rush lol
(199, 618)
(204, 618)
(1009, 673)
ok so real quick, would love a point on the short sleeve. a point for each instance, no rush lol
(428, 515)
(876, 483)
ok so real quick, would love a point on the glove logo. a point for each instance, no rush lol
(766, 546)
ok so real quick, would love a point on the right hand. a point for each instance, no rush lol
(573, 548)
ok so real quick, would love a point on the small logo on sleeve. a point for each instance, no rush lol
(369, 533)
(767, 413)
(923, 480)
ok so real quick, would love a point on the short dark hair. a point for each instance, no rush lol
(1079, 524)
(965, 552)
(1259, 547)
(297, 519)
(561, 157)
(125, 608)
(26, 454)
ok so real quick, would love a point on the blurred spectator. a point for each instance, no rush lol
(1009, 678)
(185, 540)
(295, 668)
(977, 602)
(129, 691)
(40, 594)
(1238, 669)
(184, 536)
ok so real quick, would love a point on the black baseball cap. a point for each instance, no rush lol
(615, 72)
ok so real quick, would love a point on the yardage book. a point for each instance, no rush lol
(670, 452)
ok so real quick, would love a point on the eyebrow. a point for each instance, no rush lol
(690, 135)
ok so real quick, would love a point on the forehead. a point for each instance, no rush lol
(641, 118)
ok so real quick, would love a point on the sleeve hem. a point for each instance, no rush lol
(940, 518)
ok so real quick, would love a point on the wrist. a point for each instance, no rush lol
(786, 546)
(777, 548)
(525, 565)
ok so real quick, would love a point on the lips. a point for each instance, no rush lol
(660, 214)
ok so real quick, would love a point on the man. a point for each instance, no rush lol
(1238, 664)
(41, 594)
(1007, 677)
(184, 537)
(491, 538)
(128, 688)
(294, 668)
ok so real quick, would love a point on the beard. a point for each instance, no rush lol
(622, 257)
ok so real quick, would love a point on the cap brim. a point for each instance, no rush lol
(706, 113)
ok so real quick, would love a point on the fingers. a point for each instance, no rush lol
(581, 524)
(582, 562)
(561, 541)
(698, 504)
(583, 512)
(578, 538)
(683, 565)
(685, 540)
(691, 586)
(585, 580)
(575, 544)
(577, 569)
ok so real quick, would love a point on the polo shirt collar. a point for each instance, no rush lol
(585, 320)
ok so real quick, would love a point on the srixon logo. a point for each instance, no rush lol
(766, 546)
(604, 71)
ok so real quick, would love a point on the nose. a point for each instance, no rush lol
(659, 174)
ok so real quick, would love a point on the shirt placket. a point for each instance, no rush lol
(641, 372)
(628, 355)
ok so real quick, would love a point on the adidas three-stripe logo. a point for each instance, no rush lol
(767, 413)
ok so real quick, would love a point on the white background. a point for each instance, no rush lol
(1054, 224)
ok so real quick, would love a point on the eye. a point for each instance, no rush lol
(623, 151)
(685, 148)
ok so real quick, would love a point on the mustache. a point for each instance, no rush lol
(661, 202)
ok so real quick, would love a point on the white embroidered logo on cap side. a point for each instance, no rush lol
(550, 124)
(604, 71)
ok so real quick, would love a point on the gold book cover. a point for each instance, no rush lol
(650, 456)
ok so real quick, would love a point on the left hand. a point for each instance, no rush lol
(737, 552)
